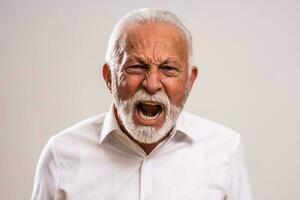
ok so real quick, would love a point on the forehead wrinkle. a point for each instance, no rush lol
(137, 50)
(151, 48)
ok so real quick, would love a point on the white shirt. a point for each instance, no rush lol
(94, 160)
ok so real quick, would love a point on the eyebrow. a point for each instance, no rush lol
(134, 58)
(142, 61)
(146, 63)
(169, 60)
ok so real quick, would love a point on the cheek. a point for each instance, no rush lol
(175, 90)
(128, 85)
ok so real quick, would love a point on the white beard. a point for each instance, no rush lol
(141, 133)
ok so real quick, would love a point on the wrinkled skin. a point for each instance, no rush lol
(154, 57)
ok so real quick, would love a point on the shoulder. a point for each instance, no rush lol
(82, 134)
(209, 131)
(91, 124)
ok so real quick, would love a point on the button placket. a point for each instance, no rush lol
(146, 180)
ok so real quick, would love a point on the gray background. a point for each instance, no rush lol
(247, 51)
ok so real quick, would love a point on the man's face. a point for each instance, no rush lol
(152, 81)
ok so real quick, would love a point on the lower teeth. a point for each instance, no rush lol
(147, 117)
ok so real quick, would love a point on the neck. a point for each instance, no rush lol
(148, 147)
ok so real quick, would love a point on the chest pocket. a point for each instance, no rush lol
(195, 194)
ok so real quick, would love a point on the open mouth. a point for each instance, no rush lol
(149, 110)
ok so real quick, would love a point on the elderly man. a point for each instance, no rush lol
(145, 147)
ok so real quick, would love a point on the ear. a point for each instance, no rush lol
(193, 76)
(106, 74)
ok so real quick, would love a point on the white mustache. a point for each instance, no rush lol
(159, 97)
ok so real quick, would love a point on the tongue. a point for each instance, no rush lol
(149, 110)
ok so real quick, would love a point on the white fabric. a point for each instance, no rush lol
(94, 160)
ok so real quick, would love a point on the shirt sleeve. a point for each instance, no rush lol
(239, 186)
(46, 176)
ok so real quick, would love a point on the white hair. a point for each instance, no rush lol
(114, 51)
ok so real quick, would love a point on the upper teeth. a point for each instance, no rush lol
(150, 103)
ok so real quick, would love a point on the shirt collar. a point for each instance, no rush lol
(184, 126)
(110, 124)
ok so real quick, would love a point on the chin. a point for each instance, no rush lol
(147, 118)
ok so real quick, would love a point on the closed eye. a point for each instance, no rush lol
(135, 69)
(169, 70)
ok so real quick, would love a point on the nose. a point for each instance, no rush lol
(152, 82)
